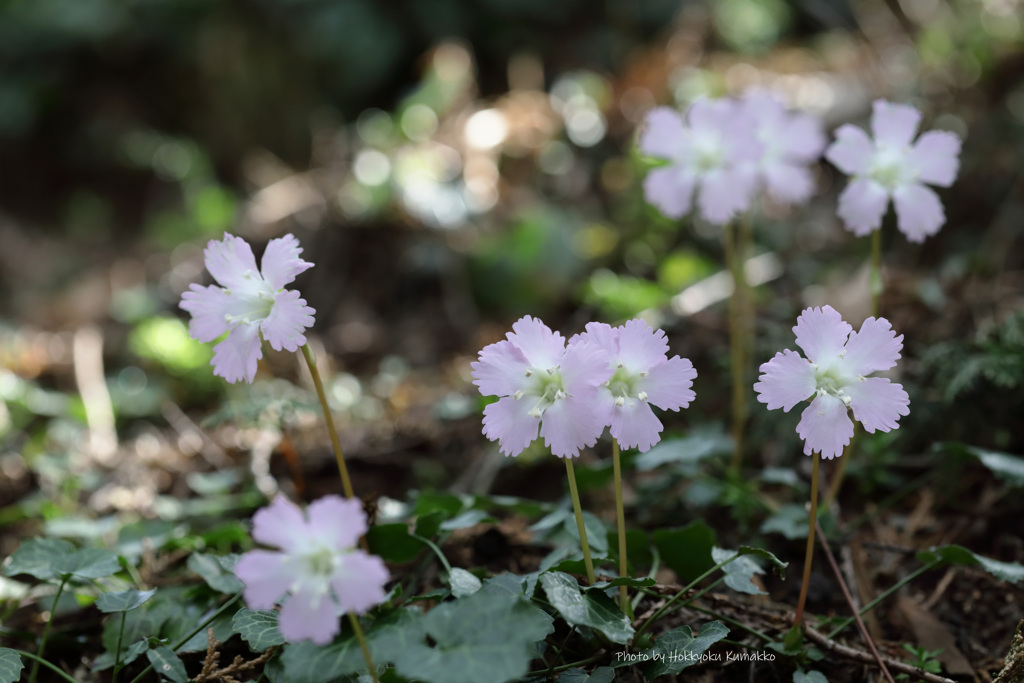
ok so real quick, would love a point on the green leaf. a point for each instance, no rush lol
(801, 676)
(789, 520)
(1009, 468)
(485, 638)
(602, 674)
(123, 601)
(167, 664)
(778, 565)
(88, 563)
(594, 609)
(623, 581)
(688, 451)
(1011, 572)
(393, 543)
(463, 583)
(686, 550)
(38, 557)
(216, 571)
(305, 662)
(740, 572)
(467, 519)
(679, 648)
(10, 666)
(258, 628)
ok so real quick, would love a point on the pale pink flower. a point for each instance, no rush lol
(835, 375)
(708, 153)
(544, 386)
(893, 166)
(249, 301)
(790, 143)
(317, 566)
(642, 375)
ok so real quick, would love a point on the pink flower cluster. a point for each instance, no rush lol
(568, 393)
(318, 566)
(725, 151)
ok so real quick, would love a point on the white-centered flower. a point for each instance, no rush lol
(791, 142)
(248, 301)
(894, 166)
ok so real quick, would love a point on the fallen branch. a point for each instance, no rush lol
(867, 658)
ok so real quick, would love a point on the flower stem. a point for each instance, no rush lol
(734, 257)
(346, 483)
(120, 640)
(876, 283)
(837, 479)
(46, 631)
(39, 660)
(810, 541)
(363, 646)
(620, 518)
(584, 545)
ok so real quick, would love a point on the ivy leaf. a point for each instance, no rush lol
(622, 581)
(38, 557)
(167, 664)
(1011, 572)
(123, 601)
(10, 665)
(740, 572)
(602, 674)
(788, 520)
(484, 638)
(463, 583)
(216, 571)
(88, 563)
(258, 628)
(467, 519)
(812, 676)
(679, 648)
(687, 550)
(594, 609)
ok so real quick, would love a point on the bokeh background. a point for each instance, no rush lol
(450, 165)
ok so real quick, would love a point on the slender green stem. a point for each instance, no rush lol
(120, 640)
(895, 587)
(584, 545)
(571, 665)
(46, 631)
(664, 608)
(346, 482)
(202, 626)
(735, 261)
(370, 668)
(437, 551)
(39, 660)
(620, 518)
(876, 283)
(810, 541)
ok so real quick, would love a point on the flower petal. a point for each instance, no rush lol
(821, 333)
(876, 347)
(338, 522)
(919, 211)
(231, 262)
(308, 615)
(670, 190)
(878, 403)
(852, 151)
(289, 317)
(788, 183)
(208, 306)
(585, 365)
(541, 347)
(640, 347)
(602, 334)
(574, 422)
(862, 206)
(787, 379)
(801, 137)
(501, 370)
(358, 582)
(664, 134)
(722, 194)
(825, 426)
(668, 384)
(266, 576)
(281, 262)
(236, 357)
(509, 423)
(894, 125)
(279, 524)
(634, 425)
(936, 157)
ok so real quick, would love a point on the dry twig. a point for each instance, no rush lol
(861, 656)
(210, 671)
